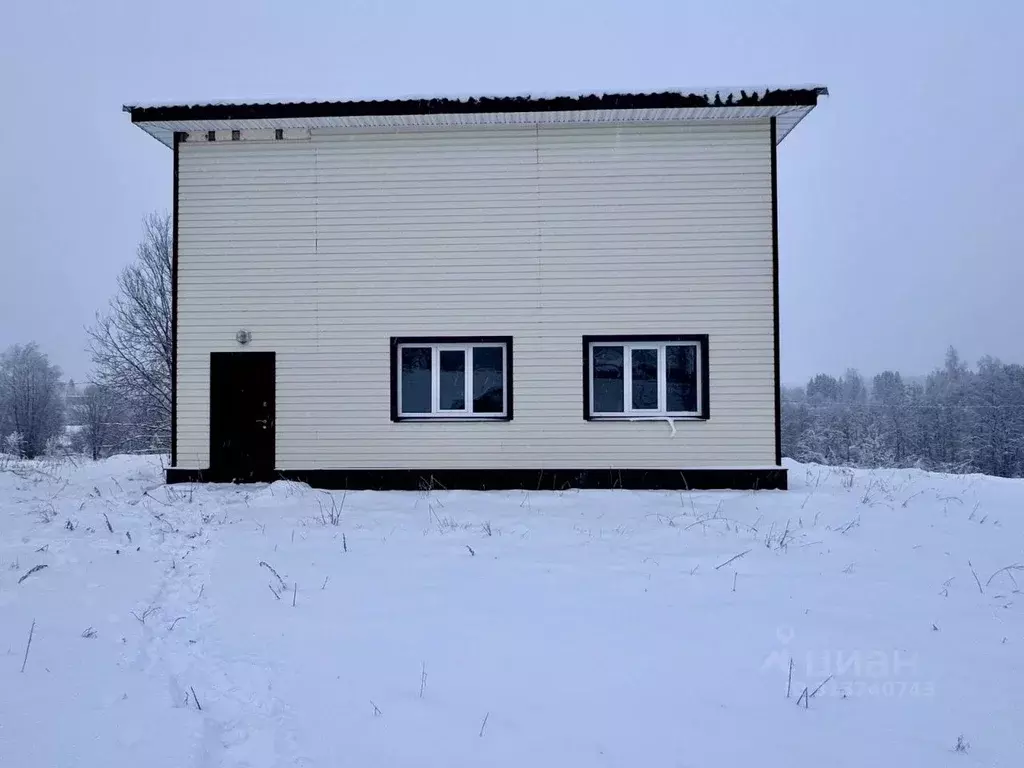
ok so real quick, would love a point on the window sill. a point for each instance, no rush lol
(449, 419)
(666, 417)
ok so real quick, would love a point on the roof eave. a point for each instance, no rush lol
(788, 105)
(777, 97)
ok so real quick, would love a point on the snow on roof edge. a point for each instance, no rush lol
(723, 92)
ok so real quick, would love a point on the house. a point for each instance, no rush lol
(499, 292)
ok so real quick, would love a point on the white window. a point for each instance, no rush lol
(451, 378)
(645, 377)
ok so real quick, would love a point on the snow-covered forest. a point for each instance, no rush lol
(956, 419)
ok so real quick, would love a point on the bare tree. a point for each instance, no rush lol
(131, 341)
(105, 422)
(30, 402)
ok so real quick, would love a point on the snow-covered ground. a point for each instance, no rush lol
(239, 626)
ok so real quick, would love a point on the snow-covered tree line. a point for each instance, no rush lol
(955, 420)
(126, 406)
(31, 405)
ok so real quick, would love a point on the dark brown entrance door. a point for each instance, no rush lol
(242, 415)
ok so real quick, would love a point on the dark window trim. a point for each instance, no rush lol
(705, 379)
(397, 341)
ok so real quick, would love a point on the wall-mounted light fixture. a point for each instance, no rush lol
(243, 336)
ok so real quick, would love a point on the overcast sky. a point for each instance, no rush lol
(900, 196)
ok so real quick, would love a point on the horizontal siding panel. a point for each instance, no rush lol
(326, 221)
(432, 202)
(582, 274)
(325, 363)
(325, 248)
(705, 286)
(563, 216)
(465, 188)
(671, 308)
(331, 229)
(310, 341)
(427, 168)
(538, 391)
(348, 285)
(202, 215)
(223, 339)
(561, 430)
(311, 344)
(517, 259)
(721, 319)
(622, 242)
(203, 202)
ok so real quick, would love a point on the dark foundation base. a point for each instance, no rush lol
(504, 479)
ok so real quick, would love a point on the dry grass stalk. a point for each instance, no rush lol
(28, 646)
(734, 557)
(270, 568)
(32, 570)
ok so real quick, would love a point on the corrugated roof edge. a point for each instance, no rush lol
(778, 97)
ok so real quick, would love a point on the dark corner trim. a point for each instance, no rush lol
(705, 373)
(782, 97)
(510, 479)
(178, 137)
(775, 294)
(396, 341)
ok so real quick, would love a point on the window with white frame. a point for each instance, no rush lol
(636, 377)
(451, 378)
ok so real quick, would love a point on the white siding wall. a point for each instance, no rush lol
(327, 246)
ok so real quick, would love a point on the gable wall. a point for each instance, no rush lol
(325, 246)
